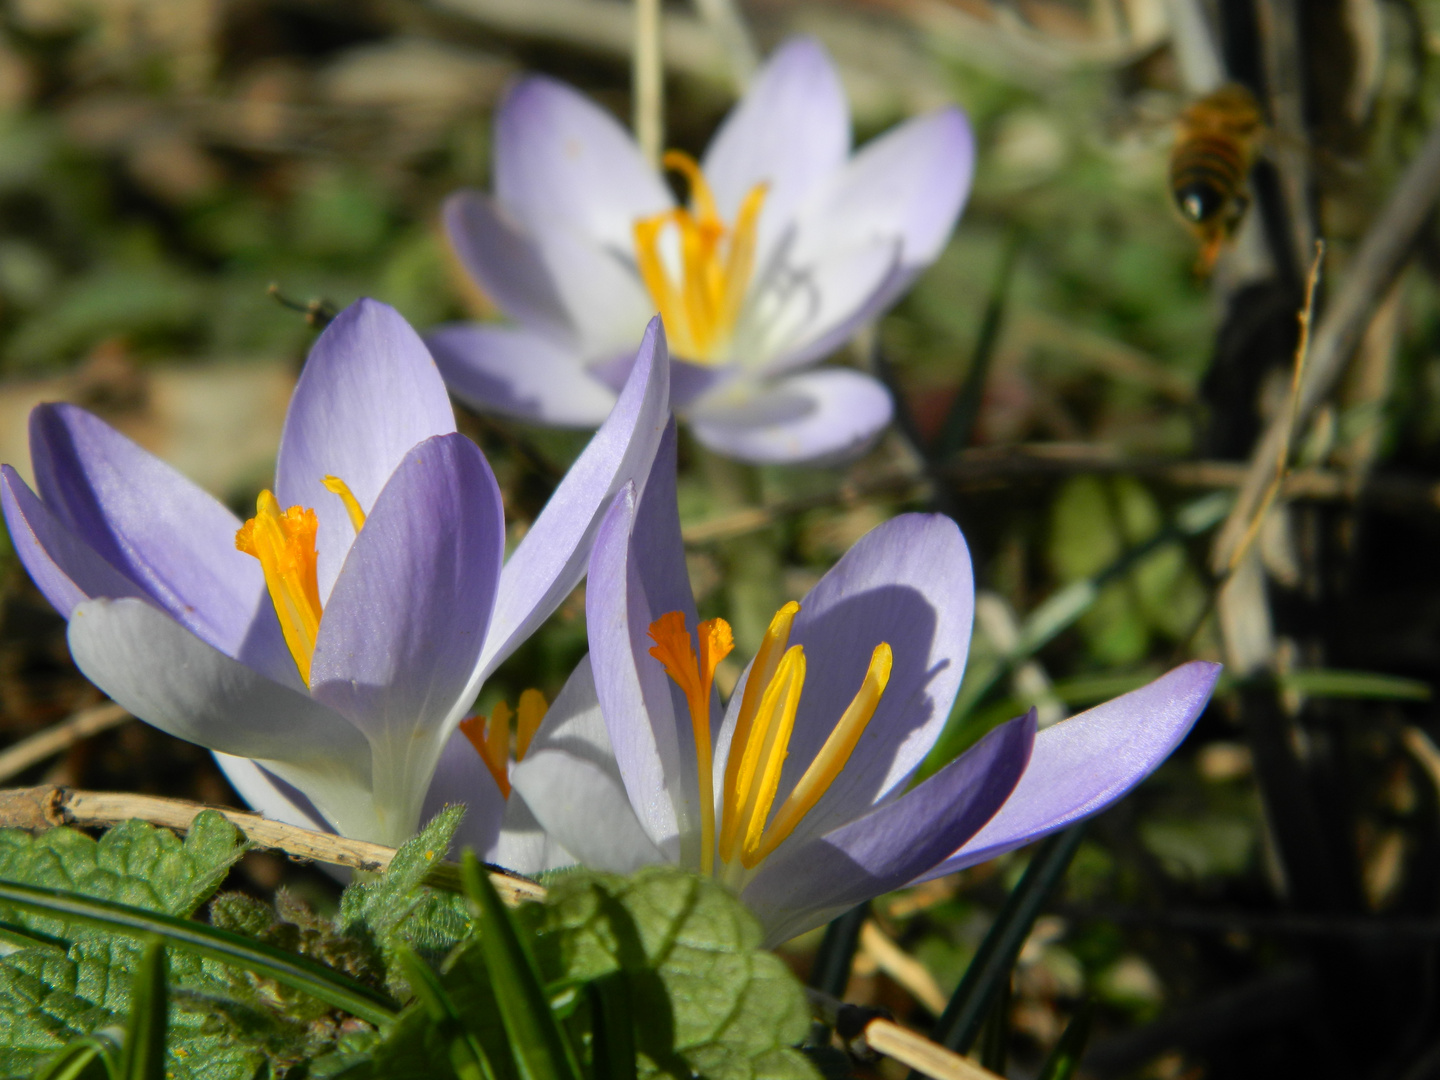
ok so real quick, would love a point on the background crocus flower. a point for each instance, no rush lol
(800, 797)
(787, 245)
(330, 645)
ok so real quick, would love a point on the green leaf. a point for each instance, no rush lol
(706, 998)
(397, 909)
(612, 1027)
(143, 1057)
(91, 1058)
(1070, 1048)
(134, 863)
(467, 1056)
(219, 945)
(541, 1050)
(65, 980)
(1328, 683)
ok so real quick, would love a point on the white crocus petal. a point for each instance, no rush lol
(268, 795)
(158, 670)
(570, 781)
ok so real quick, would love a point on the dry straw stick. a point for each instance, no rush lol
(648, 81)
(58, 738)
(50, 806)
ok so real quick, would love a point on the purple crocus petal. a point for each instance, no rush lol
(1082, 765)
(803, 884)
(267, 794)
(606, 302)
(813, 417)
(461, 777)
(790, 132)
(909, 183)
(503, 259)
(168, 677)
(561, 158)
(369, 392)
(571, 781)
(550, 560)
(804, 310)
(407, 618)
(906, 582)
(65, 568)
(520, 373)
(161, 531)
(633, 690)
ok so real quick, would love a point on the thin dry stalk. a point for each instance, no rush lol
(911, 975)
(50, 806)
(648, 80)
(57, 738)
(1292, 414)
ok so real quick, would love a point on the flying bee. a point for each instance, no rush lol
(1216, 142)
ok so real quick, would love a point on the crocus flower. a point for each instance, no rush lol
(786, 246)
(328, 647)
(799, 799)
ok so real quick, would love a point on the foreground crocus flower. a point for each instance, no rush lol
(800, 798)
(331, 644)
(787, 245)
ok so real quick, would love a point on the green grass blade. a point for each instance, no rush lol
(541, 1050)
(296, 972)
(466, 1054)
(93, 1056)
(1065, 1058)
(960, 1023)
(612, 1036)
(144, 1055)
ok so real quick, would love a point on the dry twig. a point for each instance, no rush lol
(865, 1032)
(1376, 264)
(50, 807)
(913, 976)
(60, 737)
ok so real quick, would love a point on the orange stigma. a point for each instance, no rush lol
(491, 737)
(716, 263)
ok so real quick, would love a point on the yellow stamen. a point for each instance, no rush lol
(284, 542)
(766, 750)
(695, 679)
(532, 711)
(716, 264)
(761, 740)
(831, 758)
(762, 673)
(352, 504)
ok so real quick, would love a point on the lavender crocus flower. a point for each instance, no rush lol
(787, 246)
(800, 799)
(328, 648)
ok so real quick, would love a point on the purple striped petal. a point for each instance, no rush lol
(790, 132)
(159, 530)
(551, 559)
(404, 626)
(1082, 765)
(907, 582)
(804, 884)
(65, 568)
(520, 373)
(168, 677)
(560, 158)
(634, 691)
(368, 394)
(502, 258)
(816, 417)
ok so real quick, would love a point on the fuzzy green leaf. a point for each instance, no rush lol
(708, 1000)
